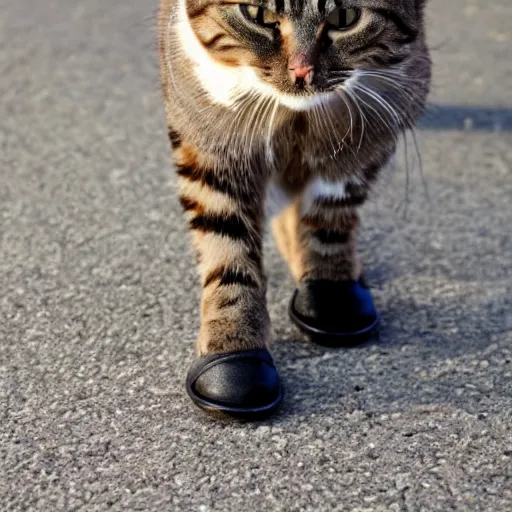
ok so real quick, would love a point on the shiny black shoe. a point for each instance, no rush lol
(334, 313)
(243, 385)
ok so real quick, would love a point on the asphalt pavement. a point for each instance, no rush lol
(99, 296)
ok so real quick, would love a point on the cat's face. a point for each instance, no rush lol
(297, 50)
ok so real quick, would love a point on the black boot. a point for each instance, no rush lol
(334, 313)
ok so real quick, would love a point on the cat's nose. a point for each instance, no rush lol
(301, 75)
(301, 71)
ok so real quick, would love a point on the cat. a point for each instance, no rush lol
(283, 111)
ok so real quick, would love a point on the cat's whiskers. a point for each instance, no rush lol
(420, 164)
(349, 131)
(264, 116)
(248, 113)
(393, 123)
(263, 113)
(250, 127)
(326, 134)
(316, 120)
(390, 72)
(402, 106)
(393, 82)
(331, 132)
(234, 133)
(268, 148)
(342, 88)
(243, 106)
(382, 102)
(253, 112)
(353, 97)
(343, 97)
(369, 107)
(341, 144)
(397, 106)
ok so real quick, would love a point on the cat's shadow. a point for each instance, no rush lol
(430, 359)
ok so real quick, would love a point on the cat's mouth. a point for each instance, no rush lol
(301, 84)
(309, 92)
(307, 82)
(325, 89)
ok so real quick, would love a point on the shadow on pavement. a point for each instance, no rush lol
(451, 360)
(467, 118)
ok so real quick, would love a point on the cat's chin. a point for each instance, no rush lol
(305, 102)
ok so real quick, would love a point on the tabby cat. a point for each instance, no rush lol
(283, 110)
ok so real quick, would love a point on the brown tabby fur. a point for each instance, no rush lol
(227, 157)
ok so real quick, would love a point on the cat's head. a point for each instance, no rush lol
(297, 50)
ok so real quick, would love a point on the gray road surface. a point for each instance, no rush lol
(98, 301)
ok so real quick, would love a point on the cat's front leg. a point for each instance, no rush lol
(317, 236)
(235, 373)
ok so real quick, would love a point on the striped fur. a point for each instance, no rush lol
(226, 234)
(252, 139)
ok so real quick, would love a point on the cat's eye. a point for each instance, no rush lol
(343, 19)
(263, 17)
